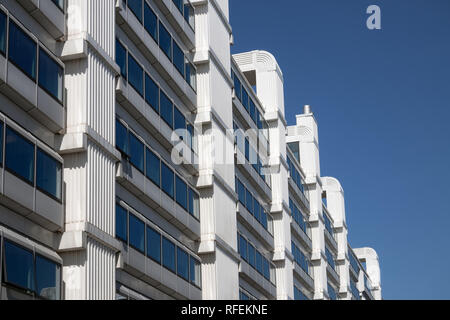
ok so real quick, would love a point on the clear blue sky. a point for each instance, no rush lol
(382, 100)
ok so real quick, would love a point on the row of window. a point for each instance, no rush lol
(164, 39)
(253, 206)
(354, 263)
(156, 170)
(255, 259)
(330, 258)
(328, 225)
(251, 155)
(299, 295)
(249, 105)
(30, 272)
(29, 162)
(145, 239)
(300, 258)
(331, 292)
(154, 95)
(354, 289)
(296, 176)
(30, 57)
(298, 216)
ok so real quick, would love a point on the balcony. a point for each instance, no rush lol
(304, 238)
(333, 275)
(247, 219)
(304, 277)
(257, 280)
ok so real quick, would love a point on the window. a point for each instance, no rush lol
(259, 262)
(2, 32)
(50, 75)
(136, 8)
(243, 248)
(182, 264)
(19, 156)
(266, 269)
(331, 292)
(178, 58)
(136, 75)
(59, 3)
(251, 255)
(253, 110)
(330, 258)
(249, 201)
(181, 192)
(247, 149)
(19, 266)
(136, 152)
(22, 50)
(190, 137)
(1, 144)
(167, 182)
(256, 210)
(166, 107)
(150, 22)
(165, 41)
(194, 204)
(190, 75)
(237, 87)
(179, 5)
(48, 279)
(48, 174)
(195, 272)
(153, 167)
(168, 254)
(189, 14)
(151, 93)
(180, 121)
(243, 296)
(122, 139)
(137, 234)
(299, 295)
(121, 58)
(153, 245)
(121, 223)
(264, 219)
(245, 99)
(241, 192)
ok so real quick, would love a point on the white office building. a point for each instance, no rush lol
(140, 160)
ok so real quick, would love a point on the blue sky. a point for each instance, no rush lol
(382, 101)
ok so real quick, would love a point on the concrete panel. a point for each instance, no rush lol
(19, 191)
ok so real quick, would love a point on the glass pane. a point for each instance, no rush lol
(59, 3)
(136, 153)
(19, 266)
(178, 58)
(168, 254)
(238, 88)
(241, 192)
(122, 140)
(166, 109)
(121, 223)
(22, 50)
(137, 233)
(253, 113)
(245, 99)
(191, 75)
(151, 93)
(195, 272)
(48, 174)
(249, 201)
(48, 278)
(182, 264)
(150, 22)
(194, 204)
(121, 58)
(179, 5)
(1, 143)
(181, 192)
(266, 269)
(167, 182)
(50, 75)
(165, 41)
(136, 8)
(256, 209)
(2, 32)
(19, 155)
(153, 167)
(243, 248)
(136, 75)
(251, 255)
(153, 245)
(259, 263)
(180, 121)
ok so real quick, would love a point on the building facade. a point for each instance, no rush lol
(140, 160)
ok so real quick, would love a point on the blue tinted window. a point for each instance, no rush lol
(168, 254)
(194, 204)
(19, 266)
(245, 99)
(263, 219)
(243, 248)
(195, 271)
(190, 75)
(181, 190)
(180, 120)
(48, 279)
(237, 87)
(136, 8)
(247, 149)
(182, 264)
(178, 58)
(249, 201)
(251, 255)
(330, 258)
(122, 139)
(22, 50)
(150, 22)
(136, 153)
(19, 155)
(153, 167)
(1, 143)
(121, 58)
(256, 209)
(59, 3)
(332, 292)
(266, 269)
(259, 262)
(165, 41)
(153, 245)
(151, 93)
(48, 174)
(167, 182)
(241, 192)
(136, 75)
(179, 5)
(253, 113)
(2, 33)
(137, 233)
(190, 136)
(50, 75)
(166, 109)
(121, 223)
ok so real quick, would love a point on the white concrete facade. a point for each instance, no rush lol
(96, 100)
